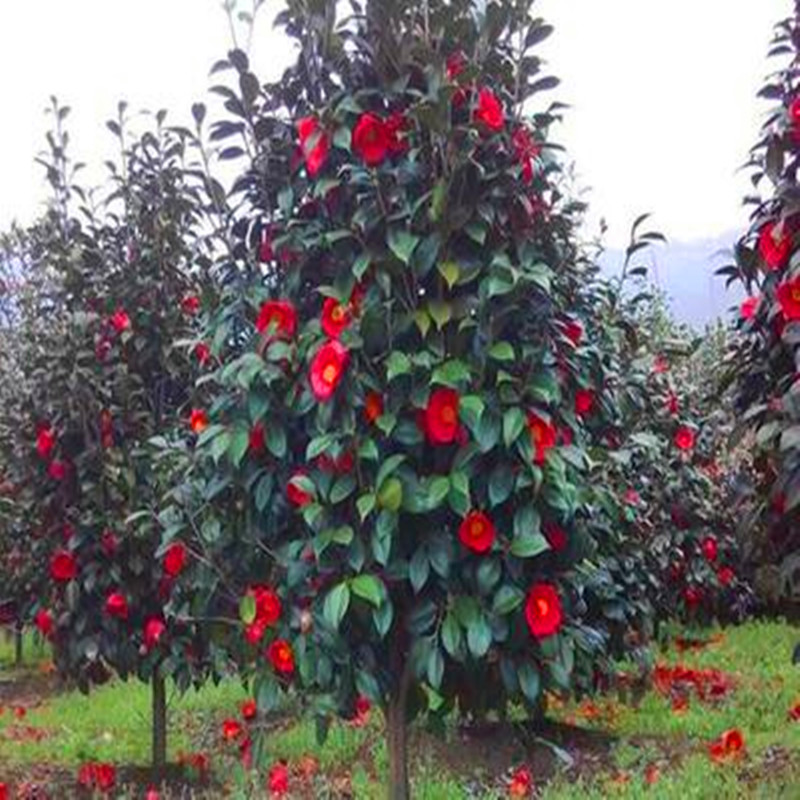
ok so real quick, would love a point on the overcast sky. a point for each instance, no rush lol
(662, 93)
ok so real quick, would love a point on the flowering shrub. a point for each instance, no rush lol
(120, 285)
(763, 357)
(664, 518)
(390, 464)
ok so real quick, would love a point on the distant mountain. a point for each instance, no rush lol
(685, 271)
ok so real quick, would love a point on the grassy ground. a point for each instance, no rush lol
(614, 746)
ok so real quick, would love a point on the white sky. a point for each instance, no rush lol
(662, 93)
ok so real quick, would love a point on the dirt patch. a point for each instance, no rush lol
(28, 689)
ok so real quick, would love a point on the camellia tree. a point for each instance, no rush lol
(662, 495)
(764, 358)
(395, 433)
(120, 281)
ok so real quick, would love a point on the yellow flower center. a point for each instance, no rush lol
(542, 606)
(476, 528)
(337, 315)
(329, 373)
(448, 415)
(796, 294)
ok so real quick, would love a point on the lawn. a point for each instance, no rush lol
(657, 747)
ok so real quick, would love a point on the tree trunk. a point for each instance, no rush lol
(397, 737)
(159, 722)
(18, 643)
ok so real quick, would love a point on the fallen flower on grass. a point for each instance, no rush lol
(97, 776)
(278, 780)
(521, 783)
(729, 746)
(651, 774)
(794, 713)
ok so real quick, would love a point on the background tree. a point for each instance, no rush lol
(763, 360)
(115, 281)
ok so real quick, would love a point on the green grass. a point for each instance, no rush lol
(113, 724)
(34, 651)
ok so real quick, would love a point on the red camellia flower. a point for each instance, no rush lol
(257, 440)
(202, 352)
(335, 317)
(794, 713)
(684, 438)
(279, 317)
(584, 401)
(543, 436)
(673, 406)
(489, 110)
(327, 368)
(231, 729)
(774, 245)
(709, 548)
(476, 532)
(455, 65)
(631, 497)
(63, 566)
(44, 622)
(726, 576)
(556, 536)
(153, 631)
(788, 294)
(373, 406)
(268, 605)
(57, 470)
(120, 321)
(254, 632)
(278, 780)
(175, 559)
(749, 306)
(297, 496)
(441, 424)
(371, 139)
(191, 304)
(521, 783)
(543, 610)
(249, 710)
(396, 125)
(338, 466)
(198, 420)
(573, 330)
(117, 605)
(281, 656)
(45, 441)
(314, 144)
(3, 791)
(692, 596)
(526, 152)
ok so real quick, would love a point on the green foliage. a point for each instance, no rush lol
(763, 355)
